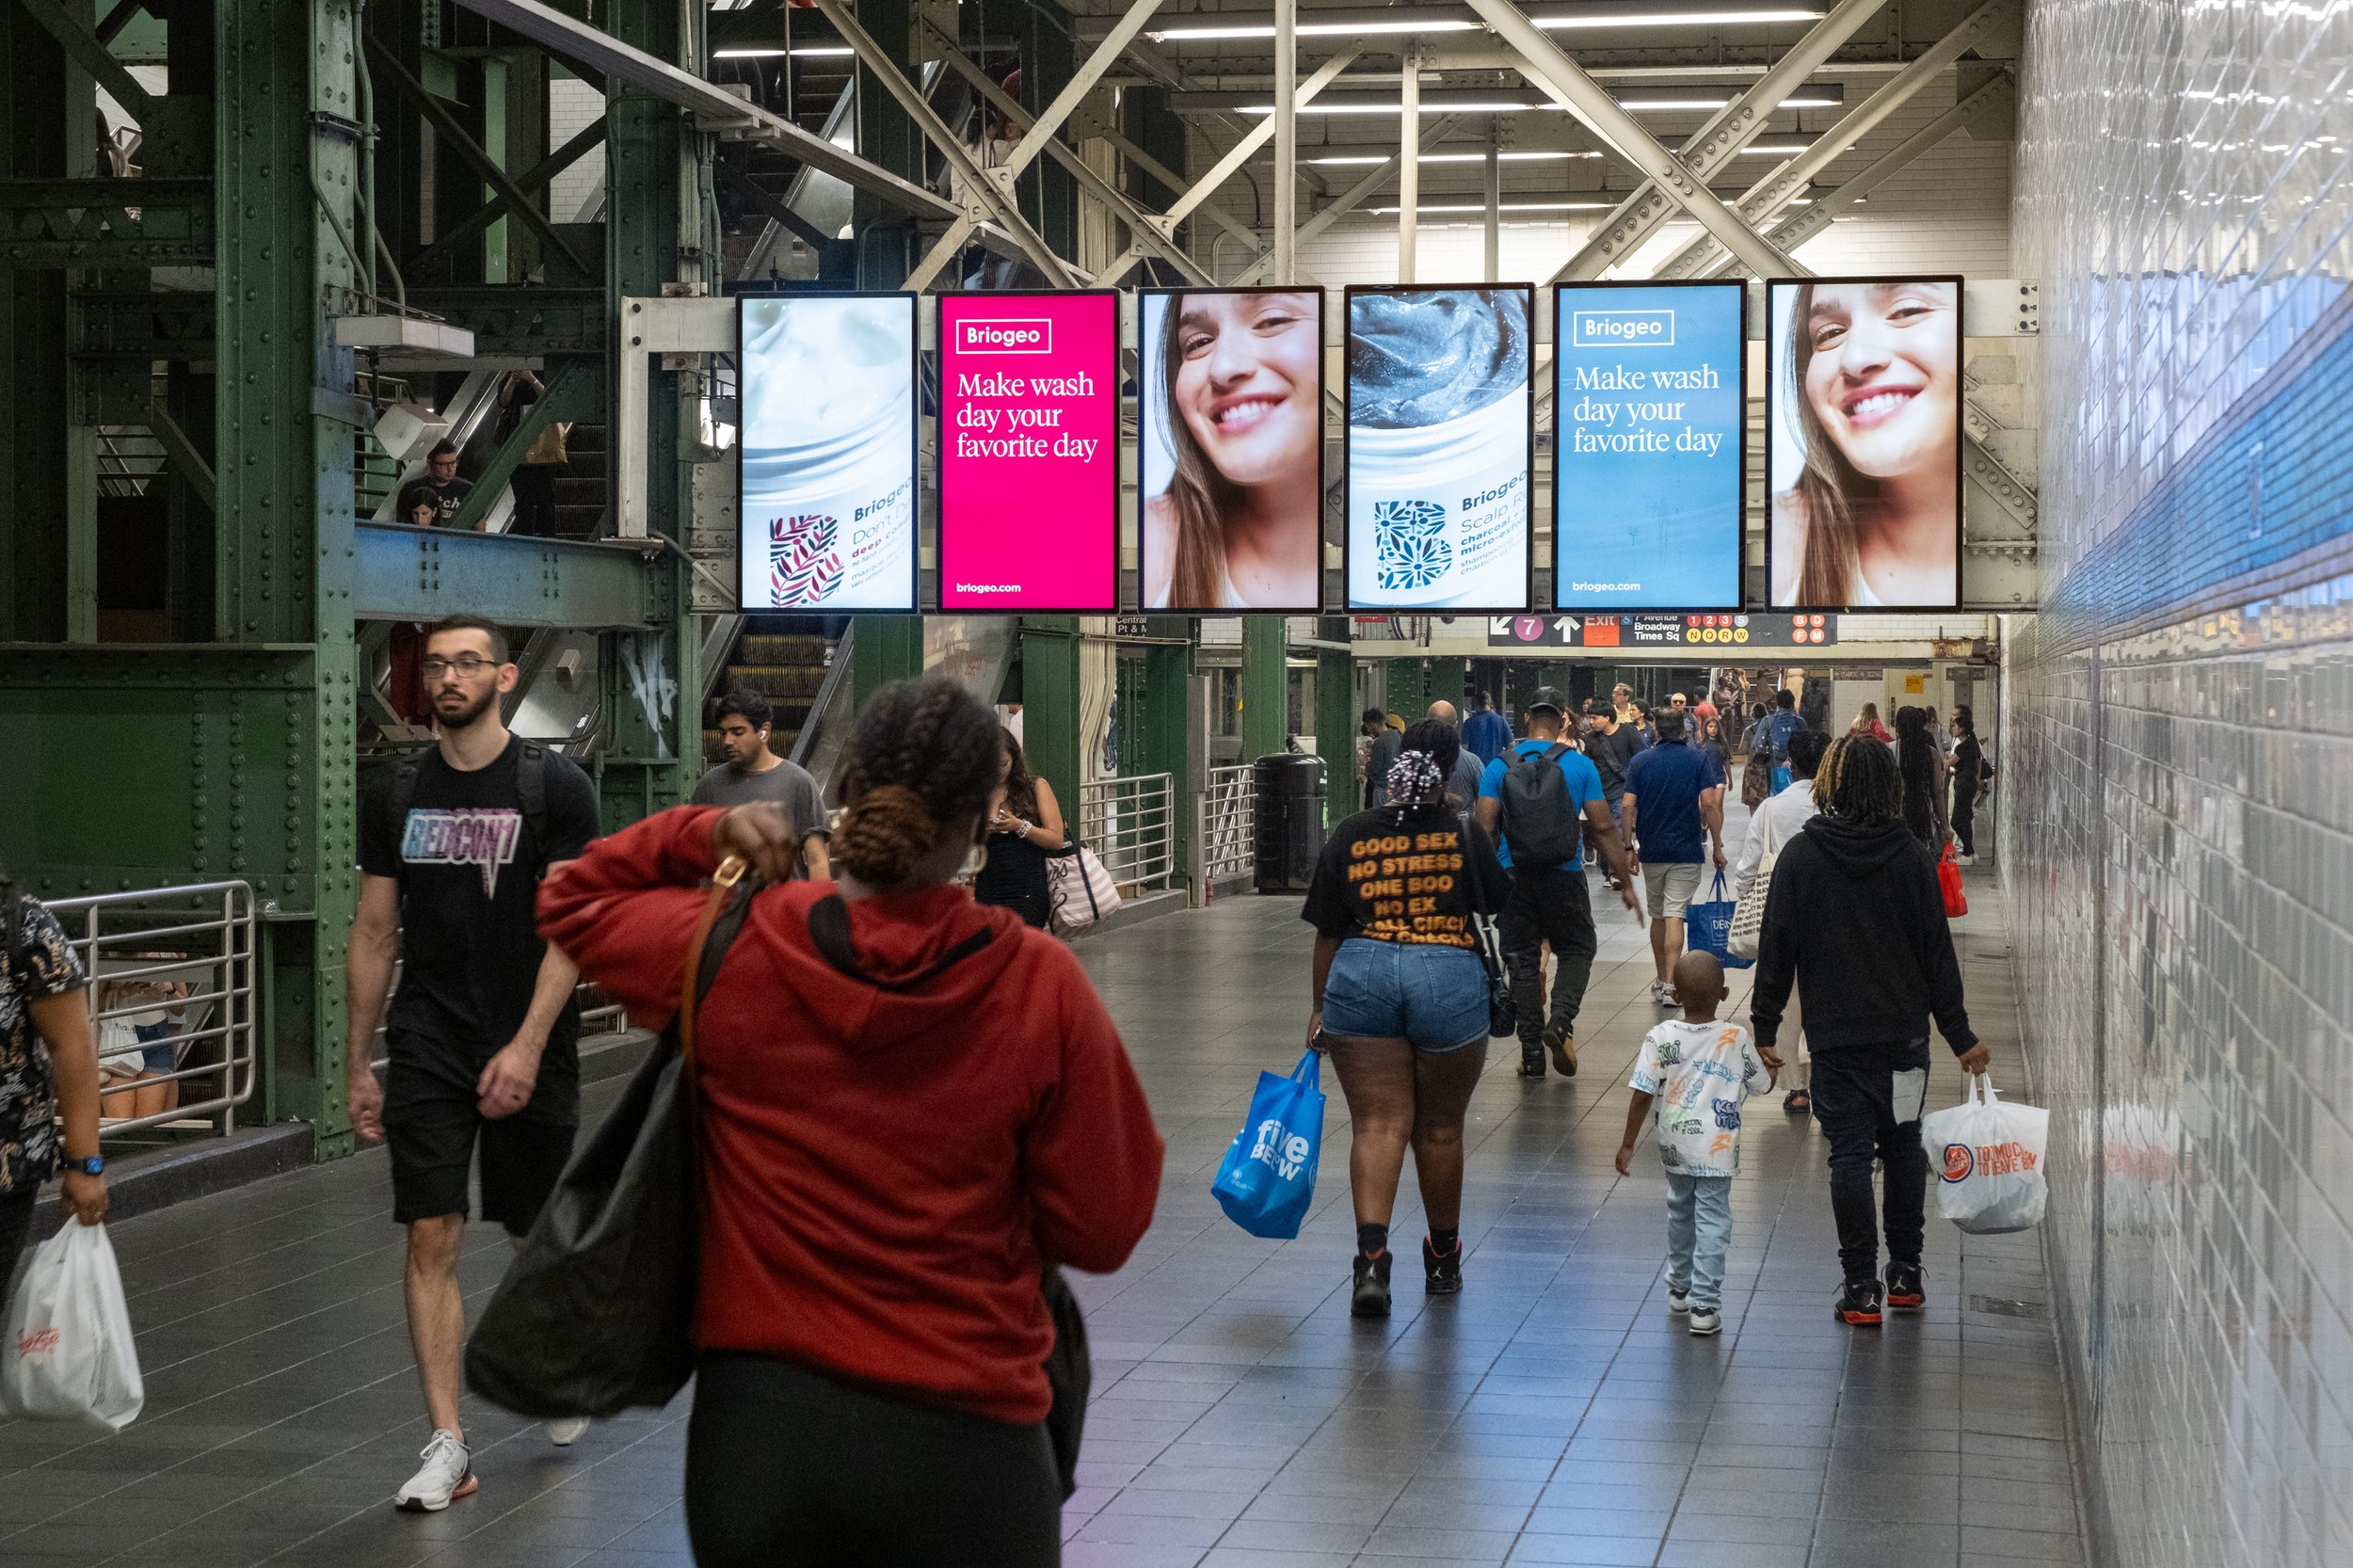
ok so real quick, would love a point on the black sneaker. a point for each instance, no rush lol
(1858, 1304)
(1907, 1290)
(1531, 1062)
(1442, 1272)
(1560, 1043)
(1371, 1299)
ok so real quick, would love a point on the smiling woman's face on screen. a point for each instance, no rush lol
(1246, 383)
(1882, 375)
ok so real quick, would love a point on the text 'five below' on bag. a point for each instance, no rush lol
(1267, 1181)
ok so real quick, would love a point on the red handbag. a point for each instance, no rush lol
(1948, 879)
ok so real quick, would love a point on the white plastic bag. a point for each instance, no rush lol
(69, 1355)
(1988, 1157)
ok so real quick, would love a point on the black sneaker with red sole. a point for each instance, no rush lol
(1858, 1303)
(1907, 1289)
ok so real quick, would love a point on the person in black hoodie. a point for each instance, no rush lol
(1855, 920)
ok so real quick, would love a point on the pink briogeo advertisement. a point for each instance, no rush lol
(1029, 452)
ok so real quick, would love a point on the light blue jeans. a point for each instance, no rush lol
(1699, 1231)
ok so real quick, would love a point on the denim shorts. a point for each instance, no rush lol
(1434, 997)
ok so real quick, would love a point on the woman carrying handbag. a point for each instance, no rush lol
(911, 1110)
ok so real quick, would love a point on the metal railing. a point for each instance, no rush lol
(187, 953)
(1229, 818)
(1130, 825)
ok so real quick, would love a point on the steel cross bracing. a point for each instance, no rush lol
(1549, 66)
(995, 186)
(1147, 227)
(1775, 191)
(1715, 144)
(1224, 170)
(1348, 200)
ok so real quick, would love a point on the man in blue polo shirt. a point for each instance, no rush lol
(1675, 794)
(1540, 841)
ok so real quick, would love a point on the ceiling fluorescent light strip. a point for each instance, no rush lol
(1214, 31)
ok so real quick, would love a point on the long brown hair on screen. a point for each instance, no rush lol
(1830, 491)
(1199, 498)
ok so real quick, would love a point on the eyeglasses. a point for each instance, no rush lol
(466, 665)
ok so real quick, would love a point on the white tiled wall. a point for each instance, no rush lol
(573, 105)
(2177, 800)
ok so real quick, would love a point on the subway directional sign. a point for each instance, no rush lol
(1663, 629)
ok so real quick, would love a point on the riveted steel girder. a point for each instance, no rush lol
(105, 223)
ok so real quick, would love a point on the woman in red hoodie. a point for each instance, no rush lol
(910, 1103)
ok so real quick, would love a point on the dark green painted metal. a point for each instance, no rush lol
(422, 574)
(1336, 720)
(34, 147)
(90, 54)
(1265, 686)
(107, 223)
(885, 648)
(142, 327)
(1407, 689)
(1163, 740)
(517, 318)
(571, 395)
(1049, 705)
(539, 175)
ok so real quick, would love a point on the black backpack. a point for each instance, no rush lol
(1541, 826)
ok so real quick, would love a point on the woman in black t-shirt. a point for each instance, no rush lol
(1025, 828)
(1400, 1001)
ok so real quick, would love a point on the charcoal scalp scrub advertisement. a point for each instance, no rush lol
(1439, 448)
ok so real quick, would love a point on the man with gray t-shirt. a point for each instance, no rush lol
(752, 771)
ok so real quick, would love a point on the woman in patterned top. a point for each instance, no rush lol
(47, 1064)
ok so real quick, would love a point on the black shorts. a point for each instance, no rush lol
(431, 1121)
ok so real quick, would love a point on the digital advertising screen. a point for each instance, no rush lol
(826, 452)
(1441, 443)
(1648, 416)
(1229, 456)
(1029, 452)
(1862, 381)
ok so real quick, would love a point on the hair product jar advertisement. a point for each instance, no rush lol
(1029, 452)
(1230, 449)
(1648, 416)
(827, 453)
(1863, 411)
(1441, 440)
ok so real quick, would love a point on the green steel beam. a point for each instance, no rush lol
(569, 397)
(1265, 686)
(522, 319)
(884, 648)
(105, 223)
(91, 56)
(1159, 727)
(40, 141)
(529, 183)
(1335, 719)
(1049, 705)
(142, 327)
(422, 574)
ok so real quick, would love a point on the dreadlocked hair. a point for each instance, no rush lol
(924, 755)
(1857, 781)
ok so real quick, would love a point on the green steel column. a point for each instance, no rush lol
(284, 541)
(1336, 720)
(1408, 688)
(1163, 740)
(659, 727)
(884, 648)
(1265, 686)
(1049, 705)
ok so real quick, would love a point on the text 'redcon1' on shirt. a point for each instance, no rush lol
(1392, 876)
(468, 858)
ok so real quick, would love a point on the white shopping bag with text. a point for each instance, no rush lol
(69, 1355)
(1988, 1157)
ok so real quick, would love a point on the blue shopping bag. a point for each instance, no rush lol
(1269, 1178)
(1711, 926)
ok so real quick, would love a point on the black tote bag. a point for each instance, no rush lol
(596, 1312)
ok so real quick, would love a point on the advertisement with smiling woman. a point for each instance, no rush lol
(1865, 411)
(1231, 453)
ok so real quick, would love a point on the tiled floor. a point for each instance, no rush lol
(1550, 1415)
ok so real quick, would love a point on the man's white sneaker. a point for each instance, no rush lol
(1678, 1302)
(566, 1433)
(1706, 1320)
(1961, 859)
(447, 1476)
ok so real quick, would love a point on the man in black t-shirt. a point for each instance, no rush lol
(482, 1041)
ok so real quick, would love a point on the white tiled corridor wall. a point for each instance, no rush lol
(573, 105)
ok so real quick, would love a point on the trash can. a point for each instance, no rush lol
(1289, 806)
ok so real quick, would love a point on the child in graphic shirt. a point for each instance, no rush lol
(1698, 1071)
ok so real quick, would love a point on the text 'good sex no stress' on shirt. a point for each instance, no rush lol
(1407, 881)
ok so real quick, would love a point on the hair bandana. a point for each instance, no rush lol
(1411, 777)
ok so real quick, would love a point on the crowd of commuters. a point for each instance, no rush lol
(913, 1109)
